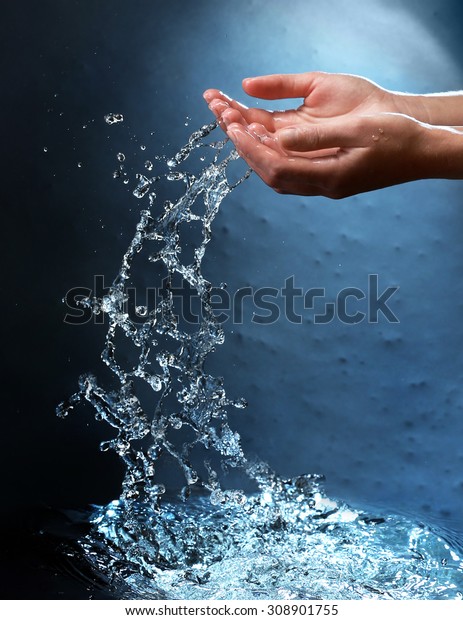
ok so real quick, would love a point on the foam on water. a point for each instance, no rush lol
(285, 539)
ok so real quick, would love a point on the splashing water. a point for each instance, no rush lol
(286, 539)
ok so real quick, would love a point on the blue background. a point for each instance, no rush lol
(376, 408)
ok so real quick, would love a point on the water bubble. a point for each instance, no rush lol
(112, 118)
(79, 164)
(155, 382)
(148, 164)
(175, 176)
(45, 149)
(142, 147)
(175, 422)
(141, 310)
(120, 157)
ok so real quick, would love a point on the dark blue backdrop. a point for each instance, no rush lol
(375, 407)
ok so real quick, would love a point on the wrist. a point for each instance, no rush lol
(442, 152)
(436, 109)
(418, 107)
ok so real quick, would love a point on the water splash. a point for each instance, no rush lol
(284, 540)
(294, 545)
(200, 399)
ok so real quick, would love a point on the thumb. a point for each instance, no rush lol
(280, 85)
(321, 136)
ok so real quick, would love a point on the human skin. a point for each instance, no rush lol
(348, 136)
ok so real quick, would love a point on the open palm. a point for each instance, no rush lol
(325, 97)
(347, 136)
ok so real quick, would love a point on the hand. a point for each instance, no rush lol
(364, 154)
(347, 137)
(325, 96)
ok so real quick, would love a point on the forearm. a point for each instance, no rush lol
(435, 109)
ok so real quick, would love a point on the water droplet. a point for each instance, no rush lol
(142, 187)
(148, 164)
(175, 176)
(45, 149)
(120, 157)
(112, 118)
(79, 164)
(142, 147)
(175, 422)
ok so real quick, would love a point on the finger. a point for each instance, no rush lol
(305, 177)
(266, 137)
(323, 136)
(293, 175)
(257, 155)
(231, 115)
(280, 85)
(271, 120)
(270, 139)
(218, 107)
(226, 114)
(212, 93)
(252, 115)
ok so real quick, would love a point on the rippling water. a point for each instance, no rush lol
(284, 540)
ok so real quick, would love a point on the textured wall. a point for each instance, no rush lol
(375, 407)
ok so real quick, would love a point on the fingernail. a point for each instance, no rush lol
(208, 96)
(233, 134)
(218, 106)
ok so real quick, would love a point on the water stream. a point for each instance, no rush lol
(269, 538)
